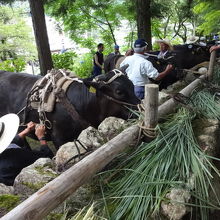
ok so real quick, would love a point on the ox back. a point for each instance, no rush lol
(92, 107)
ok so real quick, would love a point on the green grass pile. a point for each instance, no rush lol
(156, 167)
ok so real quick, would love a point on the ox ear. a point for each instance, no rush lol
(93, 86)
(123, 68)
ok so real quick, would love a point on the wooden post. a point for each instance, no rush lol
(37, 206)
(151, 105)
(211, 65)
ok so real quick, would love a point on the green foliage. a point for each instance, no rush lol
(83, 66)
(89, 22)
(64, 60)
(209, 16)
(8, 202)
(13, 65)
(15, 35)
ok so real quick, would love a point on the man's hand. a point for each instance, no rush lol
(213, 48)
(30, 126)
(40, 131)
(169, 67)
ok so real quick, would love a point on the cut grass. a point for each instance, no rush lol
(155, 168)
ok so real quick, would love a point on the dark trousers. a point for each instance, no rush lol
(96, 71)
(139, 91)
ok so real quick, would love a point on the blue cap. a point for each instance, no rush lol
(139, 43)
(116, 46)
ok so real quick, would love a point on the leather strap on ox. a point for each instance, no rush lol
(62, 98)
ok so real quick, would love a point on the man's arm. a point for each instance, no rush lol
(213, 48)
(30, 127)
(165, 72)
(19, 139)
(44, 149)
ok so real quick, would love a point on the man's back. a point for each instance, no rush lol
(139, 69)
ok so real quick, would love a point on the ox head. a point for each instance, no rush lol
(115, 88)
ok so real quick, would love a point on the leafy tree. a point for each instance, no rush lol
(209, 16)
(64, 60)
(15, 35)
(175, 19)
(89, 19)
(39, 25)
(13, 65)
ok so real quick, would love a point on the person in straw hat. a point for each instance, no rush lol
(192, 40)
(14, 154)
(165, 48)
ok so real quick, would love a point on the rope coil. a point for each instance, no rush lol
(144, 130)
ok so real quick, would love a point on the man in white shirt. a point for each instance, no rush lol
(140, 69)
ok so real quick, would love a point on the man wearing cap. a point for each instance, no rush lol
(140, 69)
(14, 155)
(165, 48)
(116, 52)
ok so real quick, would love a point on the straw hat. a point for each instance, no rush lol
(192, 39)
(167, 42)
(8, 128)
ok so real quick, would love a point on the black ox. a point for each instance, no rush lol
(92, 107)
(182, 57)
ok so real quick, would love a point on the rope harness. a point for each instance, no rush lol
(49, 90)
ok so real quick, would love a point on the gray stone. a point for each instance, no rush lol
(65, 153)
(175, 209)
(176, 87)
(163, 97)
(190, 77)
(34, 177)
(90, 138)
(6, 189)
(208, 135)
(111, 127)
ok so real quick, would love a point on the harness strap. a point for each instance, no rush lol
(117, 73)
(119, 102)
(62, 98)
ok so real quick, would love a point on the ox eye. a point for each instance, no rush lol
(119, 92)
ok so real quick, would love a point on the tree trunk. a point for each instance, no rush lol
(40, 32)
(144, 20)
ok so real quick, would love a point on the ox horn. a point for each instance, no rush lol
(123, 68)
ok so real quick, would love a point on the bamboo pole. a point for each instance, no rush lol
(211, 65)
(55, 192)
(151, 105)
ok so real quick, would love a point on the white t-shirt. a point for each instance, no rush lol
(161, 55)
(139, 69)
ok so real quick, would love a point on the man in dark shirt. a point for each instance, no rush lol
(17, 155)
(98, 61)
